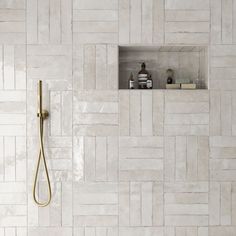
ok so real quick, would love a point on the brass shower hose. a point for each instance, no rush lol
(42, 115)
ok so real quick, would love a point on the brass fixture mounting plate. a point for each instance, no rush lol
(44, 114)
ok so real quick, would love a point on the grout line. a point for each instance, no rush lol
(141, 25)
(108, 82)
(164, 22)
(61, 192)
(3, 67)
(220, 21)
(141, 202)
(49, 21)
(129, 201)
(118, 29)
(4, 157)
(129, 40)
(15, 177)
(72, 123)
(95, 138)
(14, 66)
(61, 23)
(26, 112)
(37, 20)
(220, 202)
(197, 157)
(61, 93)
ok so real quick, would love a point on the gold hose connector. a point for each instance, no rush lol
(42, 115)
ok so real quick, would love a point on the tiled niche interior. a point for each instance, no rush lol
(188, 62)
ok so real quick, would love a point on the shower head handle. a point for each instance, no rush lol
(41, 113)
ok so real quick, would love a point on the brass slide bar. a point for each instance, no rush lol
(42, 115)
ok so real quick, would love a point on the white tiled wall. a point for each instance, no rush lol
(121, 163)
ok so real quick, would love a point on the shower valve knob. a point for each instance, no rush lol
(44, 114)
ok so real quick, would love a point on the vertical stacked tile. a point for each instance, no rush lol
(222, 140)
(49, 58)
(95, 66)
(141, 21)
(95, 117)
(141, 113)
(95, 161)
(13, 193)
(186, 130)
(95, 53)
(57, 97)
(222, 22)
(49, 22)
(140, 159)
(186, 158)
(222, 112)
(222, 185)
(222, 118)
(141, 153)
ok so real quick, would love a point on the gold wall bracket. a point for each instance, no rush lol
(44, 114)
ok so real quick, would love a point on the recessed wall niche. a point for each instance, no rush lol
(189, 63)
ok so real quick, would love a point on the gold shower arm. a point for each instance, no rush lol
(42, 115)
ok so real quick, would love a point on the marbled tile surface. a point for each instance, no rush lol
(121, 163)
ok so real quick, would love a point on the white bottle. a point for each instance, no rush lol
(131, 81)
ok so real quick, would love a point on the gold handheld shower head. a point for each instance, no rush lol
(42, 115)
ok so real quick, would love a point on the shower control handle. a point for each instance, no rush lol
(44, 114)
